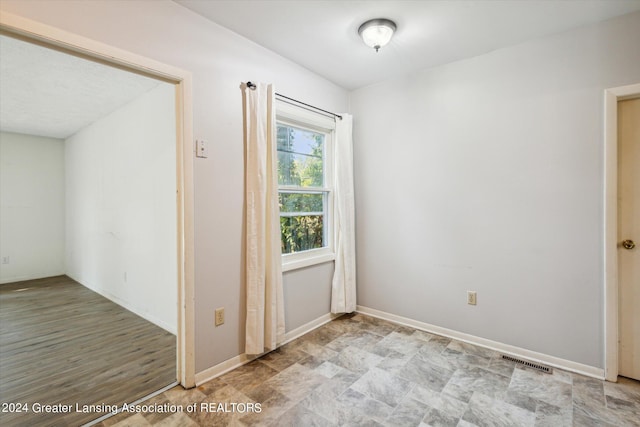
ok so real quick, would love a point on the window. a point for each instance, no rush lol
(305, 157)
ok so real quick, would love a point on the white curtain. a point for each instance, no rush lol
(265, 300)
(343, 287)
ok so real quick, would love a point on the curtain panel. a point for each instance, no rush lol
(265, 298)
(343, 286)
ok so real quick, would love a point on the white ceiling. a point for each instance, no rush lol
(49, 93)
(322, 35)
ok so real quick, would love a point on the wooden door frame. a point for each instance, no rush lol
(611, 98)
(54, 38)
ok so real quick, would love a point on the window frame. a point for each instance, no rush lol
(302, 118)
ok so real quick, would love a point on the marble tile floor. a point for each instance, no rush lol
(362, 371)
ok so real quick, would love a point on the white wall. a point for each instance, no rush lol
(487, 175)
(121, 225)
(311, 302)
(31, 207)
(219, 60)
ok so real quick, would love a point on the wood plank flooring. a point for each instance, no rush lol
(61, 343)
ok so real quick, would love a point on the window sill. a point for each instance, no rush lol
(307, 261)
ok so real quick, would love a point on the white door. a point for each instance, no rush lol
(629, 237)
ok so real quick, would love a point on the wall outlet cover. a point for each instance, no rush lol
(471, 297)
(219, 316)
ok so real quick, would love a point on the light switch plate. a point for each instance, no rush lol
(202, 150)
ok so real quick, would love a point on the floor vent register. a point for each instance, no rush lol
(537, 366)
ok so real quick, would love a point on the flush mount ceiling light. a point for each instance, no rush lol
(377, 32)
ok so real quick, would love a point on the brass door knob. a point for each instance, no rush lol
(628, 244)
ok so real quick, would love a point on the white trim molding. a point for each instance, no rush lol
(128, 306)
(507, 349)
(611, 98)
(298, 116)
(308, 261)
(308, 327)
(55, 38)
(243, 359)
(224, 367)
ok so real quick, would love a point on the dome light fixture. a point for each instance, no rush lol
(377, 32)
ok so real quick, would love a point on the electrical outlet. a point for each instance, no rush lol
(219, 316)
(471, 297)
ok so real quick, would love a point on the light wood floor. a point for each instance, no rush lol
(61, 343)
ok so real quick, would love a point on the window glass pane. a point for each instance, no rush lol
(301, 233)
(301, 202)
(300, 157)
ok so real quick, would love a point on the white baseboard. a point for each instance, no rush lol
(223, 368)
(23, 278)
(158, 322)
(511, 350)
(308, 327)
(172, 329)
(243, 359)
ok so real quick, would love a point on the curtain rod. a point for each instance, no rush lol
(252, 86)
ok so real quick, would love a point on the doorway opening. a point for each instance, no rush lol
(179, 82)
